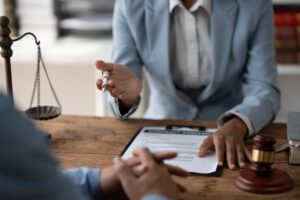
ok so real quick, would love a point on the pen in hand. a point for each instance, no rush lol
(105, 76)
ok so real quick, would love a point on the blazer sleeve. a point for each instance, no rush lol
(261, 101)
(124, 52)
(27, 169)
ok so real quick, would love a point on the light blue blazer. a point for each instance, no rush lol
(243, 62)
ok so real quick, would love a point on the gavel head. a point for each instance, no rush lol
(263, 154)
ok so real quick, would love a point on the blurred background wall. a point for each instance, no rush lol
(69, 50)
(74, 33)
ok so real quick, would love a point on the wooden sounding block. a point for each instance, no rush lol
(260, 177)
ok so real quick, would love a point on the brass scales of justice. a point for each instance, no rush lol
(39, 112)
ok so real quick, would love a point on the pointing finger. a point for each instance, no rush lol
(158, 156)
(205, 146)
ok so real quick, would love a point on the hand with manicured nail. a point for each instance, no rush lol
(227, 141)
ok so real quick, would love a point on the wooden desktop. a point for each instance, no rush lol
(93, 142)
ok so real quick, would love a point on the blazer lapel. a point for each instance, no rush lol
(223, 20)
(157, 28)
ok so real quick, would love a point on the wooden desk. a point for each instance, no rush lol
(93, 142)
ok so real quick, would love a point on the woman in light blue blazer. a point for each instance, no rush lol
(240, 89)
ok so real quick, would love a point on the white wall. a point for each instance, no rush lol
(290, 94)
(70, 63)
(1, 7)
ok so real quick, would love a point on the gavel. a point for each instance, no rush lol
(260, 177)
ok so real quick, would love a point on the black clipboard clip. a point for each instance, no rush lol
(171, 127)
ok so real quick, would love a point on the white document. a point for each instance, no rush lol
(185, 141)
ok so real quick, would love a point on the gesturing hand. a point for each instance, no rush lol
(228, 139)
(155, 180)
(122, 84)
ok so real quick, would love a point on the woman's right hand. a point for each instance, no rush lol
(122, 83)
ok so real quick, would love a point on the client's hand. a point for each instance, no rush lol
(228, 139)
(110, 184)
(156, 178)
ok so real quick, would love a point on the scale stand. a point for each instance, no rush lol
(39, 112)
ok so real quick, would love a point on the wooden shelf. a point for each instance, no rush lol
(288, 69)
(286, 2)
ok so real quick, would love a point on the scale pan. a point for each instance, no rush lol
(43, 112)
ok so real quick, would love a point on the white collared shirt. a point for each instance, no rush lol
(190, 50)
(190, 45)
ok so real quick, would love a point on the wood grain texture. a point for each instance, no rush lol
(93, 142)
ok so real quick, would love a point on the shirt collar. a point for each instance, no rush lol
(206, 4)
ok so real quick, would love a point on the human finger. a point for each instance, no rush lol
(124, 95)
(124, 172)
(230, 151)
(139, 170)
(114, 92)
(111, 83)
(158, 156)
(103, 66)
(163, 155)
(176, 170)
(181, 188)
(205, 146)
(99, 84)
(240, 155)
(219, 143)
(145, 156)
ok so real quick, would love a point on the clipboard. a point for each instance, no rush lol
(183, 131)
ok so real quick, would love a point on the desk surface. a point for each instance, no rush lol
(93, 142)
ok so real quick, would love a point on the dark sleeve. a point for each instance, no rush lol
(27, 170)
